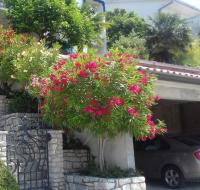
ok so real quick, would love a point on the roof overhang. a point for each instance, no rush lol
(180, 8)
(171, 72)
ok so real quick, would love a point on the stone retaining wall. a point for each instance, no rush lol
(3, 144)
(3, 105)
(76, 182)
(15, 120)
(75, 160)
(56, 172)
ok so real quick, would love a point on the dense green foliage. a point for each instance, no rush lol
(168, 36)
(132, 44)
(106, 95)
(20, 58)
(123, 24)
(7, 181)
(54, 20)
(23, 103)
(192, 56)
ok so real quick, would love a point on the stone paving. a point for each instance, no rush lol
(159, 186)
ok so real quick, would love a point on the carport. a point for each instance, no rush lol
(179, 107)
(179, 90)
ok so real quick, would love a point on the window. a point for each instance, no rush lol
(156, 144)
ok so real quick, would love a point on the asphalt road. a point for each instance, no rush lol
(159, 186)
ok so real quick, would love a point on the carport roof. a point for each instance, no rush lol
(171, 72)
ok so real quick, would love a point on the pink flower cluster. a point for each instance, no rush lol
(135, 89)
(97, 109)
(133, 112)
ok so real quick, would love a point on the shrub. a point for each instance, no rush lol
(191, 57)
(53, 20)
(132, 44)
(123, 24)
(20, 57)
(106, 95)
(7, 181)
(23, 103)
(168, 35)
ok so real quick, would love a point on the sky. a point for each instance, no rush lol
(195, 3)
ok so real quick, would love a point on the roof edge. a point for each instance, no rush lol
(180, 2)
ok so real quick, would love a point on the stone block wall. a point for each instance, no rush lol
(12, 121)
(3, 144)
(75, 182)
(75, 160)
(3, 105)
(56, 166)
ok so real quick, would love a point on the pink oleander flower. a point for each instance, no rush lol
(157, 98)
(115, 101)
(73, 56)
(91, 66)
(134, 89)
(144, 138)
(94, 102)
(88, 109)
(73, 81)
(35, 82)
(77, 65)
(62, 62)
(133, 112)
(82, 74)
(144, 80)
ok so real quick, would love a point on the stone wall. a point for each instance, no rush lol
(3, 135)
(75, 160)
(15, 120)
(75, 182)
(3, 105)
(56, 167)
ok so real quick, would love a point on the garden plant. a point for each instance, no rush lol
(55, 21)
(105, 95)
(21, 56)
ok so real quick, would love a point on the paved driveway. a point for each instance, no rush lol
(159, 186)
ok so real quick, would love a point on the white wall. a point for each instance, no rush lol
(118, 151)
(143, 8)
(170, 90)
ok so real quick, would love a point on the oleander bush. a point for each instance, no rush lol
(106, 95)
(22, 56)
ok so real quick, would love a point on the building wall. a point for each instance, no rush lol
(149, 8)
(194, 23)
(143, 8)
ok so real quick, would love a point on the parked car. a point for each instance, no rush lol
(174, 160)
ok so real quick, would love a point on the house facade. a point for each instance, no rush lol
(149, 8)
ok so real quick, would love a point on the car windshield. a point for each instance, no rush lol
(187, 141)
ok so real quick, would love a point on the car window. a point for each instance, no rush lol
(187, 141)
(156, 144)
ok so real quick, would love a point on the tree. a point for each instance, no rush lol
(54, 20)
(168, 35)
(104, 95)
(122, 24)
(192, 56)
(132, 44)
